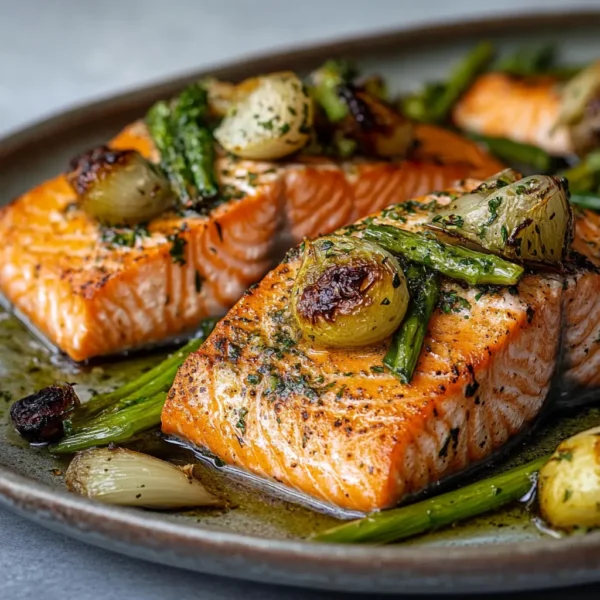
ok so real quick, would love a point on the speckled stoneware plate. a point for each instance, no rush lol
(258, 536)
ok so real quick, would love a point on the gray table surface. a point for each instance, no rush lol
(56, 53)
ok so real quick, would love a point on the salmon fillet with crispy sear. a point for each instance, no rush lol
(524, 110)
(336, 425)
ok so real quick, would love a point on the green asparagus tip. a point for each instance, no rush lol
(517, 153)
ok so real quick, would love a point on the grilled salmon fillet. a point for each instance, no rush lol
(524, 110)
(92, 293)
(337, 426)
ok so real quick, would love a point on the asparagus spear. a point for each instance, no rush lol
(435, 101)
(588, 201)
(199, 149)
(475, 268)
(156, 379)
(417, 106)
(517, 152)
(460, 79)
(173, 161)
(585, 176)
(189, 115)
(406, 345)
(185, 143)
(117, 427)
(463, 503)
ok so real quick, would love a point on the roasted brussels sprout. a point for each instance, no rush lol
(569, 483)
(119, 187)
(38, 418)
(528, 220)
(580, 109)
(273, 119)
(348, 292)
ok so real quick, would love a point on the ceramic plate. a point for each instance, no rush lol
(258, 536)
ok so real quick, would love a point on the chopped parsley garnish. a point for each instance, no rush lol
(268, 125)
(452, 302)
(493, 206)
(241, 424)
(254, 378)
(123, 236)
(449, 221)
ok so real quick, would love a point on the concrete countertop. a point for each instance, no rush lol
(57, 53)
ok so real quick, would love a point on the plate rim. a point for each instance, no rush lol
(575, 559)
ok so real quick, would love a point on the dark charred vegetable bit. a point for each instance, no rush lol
(181, 134)
(527, 220)
(357, 117)
(456, 262)
(39, 417)
(348, 292)
(436, 101)
(119, 187)
(517, 153)
(339, 290)
(443, 510)
(378, 129)
(357, 106)
(403, 354)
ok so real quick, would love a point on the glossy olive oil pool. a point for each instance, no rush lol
(249, 506)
